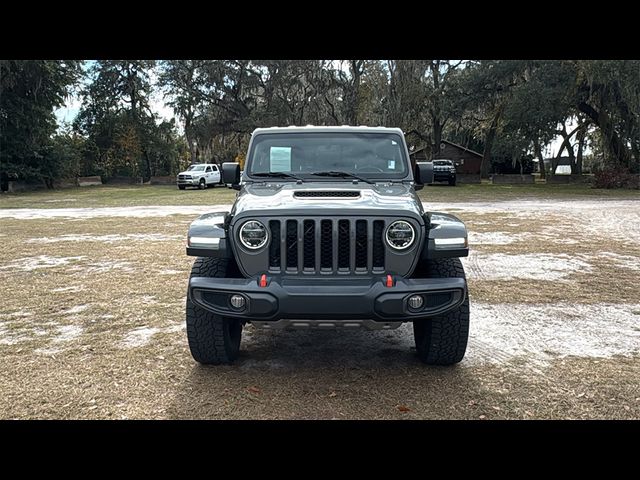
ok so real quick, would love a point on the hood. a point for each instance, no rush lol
(191, 172)
(327, 198)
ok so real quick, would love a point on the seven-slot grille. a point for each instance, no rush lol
(327, 245)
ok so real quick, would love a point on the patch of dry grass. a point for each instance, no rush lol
(607, 280)
(66, 327)
(129, 195)
(117, 196)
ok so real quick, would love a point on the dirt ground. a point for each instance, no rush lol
(92, 322)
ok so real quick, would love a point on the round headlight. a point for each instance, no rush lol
(400, 235)
(253, 234)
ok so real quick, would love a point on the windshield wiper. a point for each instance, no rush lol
(277, 174)
(334, 173)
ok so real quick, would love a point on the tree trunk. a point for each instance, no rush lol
(488, 144)
(538, 152)
(147, 162)
(190, 140)
(434, 66)
(581, 141)
(635, 165)
(566, 144)
(616, 147)
(437, 139)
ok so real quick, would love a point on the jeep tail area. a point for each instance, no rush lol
(327, 231)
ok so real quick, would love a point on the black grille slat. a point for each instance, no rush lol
(352, 245)
(283, 245)
(325, 194)
(274, 246)
(343, 244)
(361, 244)
(326, 244)
(309, 244)
(292, 244)
(300, 238)
(378, 244)
(369, 246)
(318, 243)
(334, 245)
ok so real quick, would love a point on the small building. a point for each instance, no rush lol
(465, 159)
(558, 166)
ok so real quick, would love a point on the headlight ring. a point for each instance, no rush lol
(400, 235)
(253, 235)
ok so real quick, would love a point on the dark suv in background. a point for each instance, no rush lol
(444, 171)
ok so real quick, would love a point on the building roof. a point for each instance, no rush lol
(473, 152)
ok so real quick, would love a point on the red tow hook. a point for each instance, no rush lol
(389, 281)
(263, 280)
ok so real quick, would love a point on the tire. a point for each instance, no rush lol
(203, 184)
(442, 340)
(213, 339)
(181, 187)
(452, 182)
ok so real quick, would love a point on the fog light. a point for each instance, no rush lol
(416, 302)
(237, 301)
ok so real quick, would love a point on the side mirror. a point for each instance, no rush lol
(231, 174)
(423, 174)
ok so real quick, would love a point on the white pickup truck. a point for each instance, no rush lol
(201, 175)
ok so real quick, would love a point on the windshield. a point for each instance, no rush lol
(442, 162)
(197, 168)
(368, 155)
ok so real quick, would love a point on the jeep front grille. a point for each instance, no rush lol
(320, 245)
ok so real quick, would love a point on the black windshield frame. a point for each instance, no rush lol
(377, 141)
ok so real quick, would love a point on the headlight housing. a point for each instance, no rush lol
(400, 235)
(253, 235)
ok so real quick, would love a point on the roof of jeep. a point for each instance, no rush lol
(330, 129)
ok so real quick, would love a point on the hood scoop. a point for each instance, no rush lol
(339, 194)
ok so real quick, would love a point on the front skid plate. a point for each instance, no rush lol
(326, 324)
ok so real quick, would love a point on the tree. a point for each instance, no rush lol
(30, 90)
(183, 83)
(404, 102)
(63, 156)
(118, 120)
(608, 93)
(488, 87)
(443, 99)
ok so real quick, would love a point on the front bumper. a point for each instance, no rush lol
(442, 176)
(316, 299)
(193, 181)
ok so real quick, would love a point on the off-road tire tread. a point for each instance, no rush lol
(442, 340)
(208, 340)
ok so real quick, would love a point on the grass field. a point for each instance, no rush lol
(118, 196)
(92, 317)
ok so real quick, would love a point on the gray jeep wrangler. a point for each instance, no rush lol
(327, 232)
